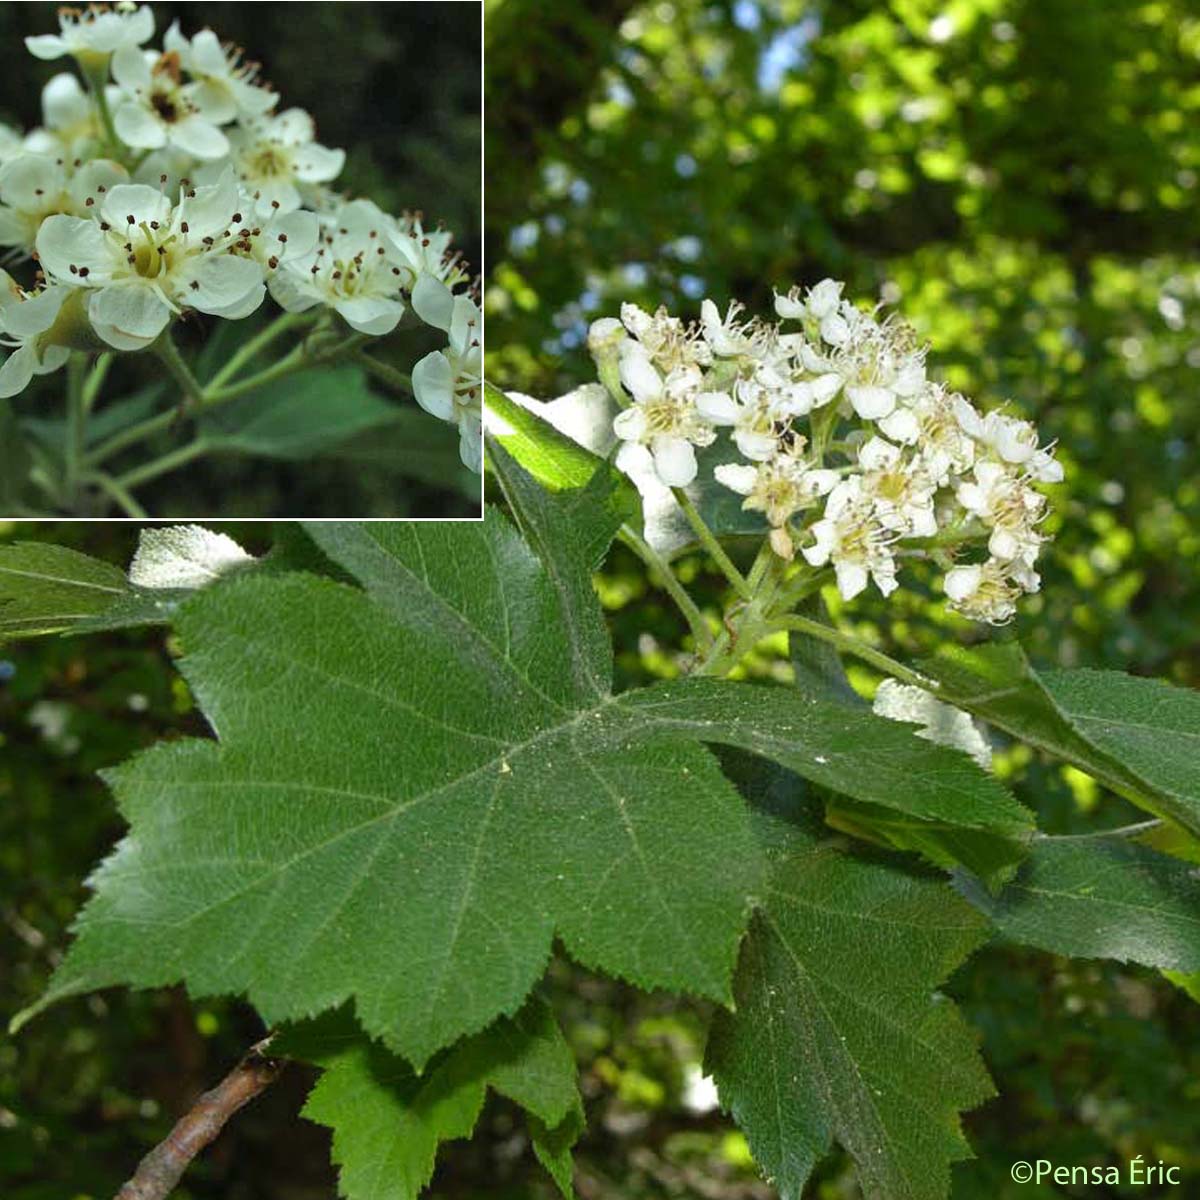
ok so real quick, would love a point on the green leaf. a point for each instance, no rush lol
(846, 750)
(50, 589)
(388, 1122)
(993, 857)
(550, 457)
(414, 445)
(412, 793)
(838, 1033)
(570, 533)
(1101, 897)
(298, 418)
(1138, 737)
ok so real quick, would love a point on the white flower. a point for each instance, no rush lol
(354, 270)
(850, 536)
(929, 421)
(24, 318)
(36, 186)
(424, 251)
(94, 33)
(146, 260)
(1016, 441)
(900, 489)
(940, 723)
(824, 299)
(983, 592)
(749, 413)
(227, 85)
(276, 157)
(448, 384)
(1009, 508)
(156, 108)
(70, 118)
(663, 421)
(779, 488)
(726, 338)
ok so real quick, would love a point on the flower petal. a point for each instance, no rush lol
(63, 242)
(128, 315)
(30, 180)
(319, 164)
(135, 204)
(131, 68)
(64, 102)
(870, 402)
(718, 407)
(738, 477)
(17, 370)
(433, 385)
(199, 136)
(433, 302)
(674, 460)
(210, 209)
(219, 281)
(372, 315)
(35, 314)
(46, 46)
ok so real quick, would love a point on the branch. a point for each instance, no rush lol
(163, 1167)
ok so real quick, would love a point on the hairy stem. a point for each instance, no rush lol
(161, 1170)
(123, 500)
(95, 381)
(170, 357)
(161, 466)
(210, 398)
(708, 540)
(670, 581)
(398, 381)
(256, 345)
(849, 644)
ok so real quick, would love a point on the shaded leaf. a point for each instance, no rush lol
(1101, 897)
(388, 1122)
(1139, 737)
(301, 417)
(838, 1033)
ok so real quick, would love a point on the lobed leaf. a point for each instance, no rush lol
(388, 1122)
(838, 1033)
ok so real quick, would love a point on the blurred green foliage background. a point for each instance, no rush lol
(1019, 178)
(398, 87)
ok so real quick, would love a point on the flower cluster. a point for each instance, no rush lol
(173, 181)
(852, 454)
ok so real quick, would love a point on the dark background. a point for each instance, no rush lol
(397, 86)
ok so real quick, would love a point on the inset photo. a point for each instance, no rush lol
(239, 254)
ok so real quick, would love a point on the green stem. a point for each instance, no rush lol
(211, 398)
(160, 466)
(397, 380)
(124, 501)
(707, 539)
(256, 345)
(851, 645)
(76, 427)
(97, 78)
(170, 357)
(95, 381)
(670, 581)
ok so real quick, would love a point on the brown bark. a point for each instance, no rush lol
(161, 1169)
